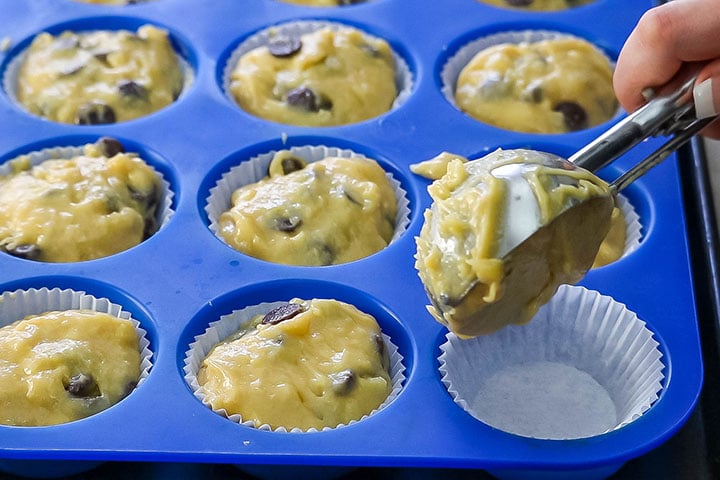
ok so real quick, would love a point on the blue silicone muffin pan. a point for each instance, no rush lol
(183, 277)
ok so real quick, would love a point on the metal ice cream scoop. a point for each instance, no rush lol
(671, 115)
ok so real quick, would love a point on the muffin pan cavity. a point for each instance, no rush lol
(184, 278)
(251, 170)
(530, 80)
(108, 74)
(228, 324)
(139, 179)
(331, 78)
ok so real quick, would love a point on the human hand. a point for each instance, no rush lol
(665, 39)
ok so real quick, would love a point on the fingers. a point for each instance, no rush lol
(665, 38)
(707, 97)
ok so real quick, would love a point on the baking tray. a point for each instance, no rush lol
(183, 277)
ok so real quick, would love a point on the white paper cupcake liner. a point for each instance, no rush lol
(164, 212)
(584, 365)
(452, 68)
(633, 226)
(12, 71)
(403, 77)
(255, 169)
(18, 304)
(231, 323)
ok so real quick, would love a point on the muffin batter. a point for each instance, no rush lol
(89, 206)
(307, 364)
(550, 86)
(332, 211)
(612, 246)
(539, 5)
(99, 77)
(475, 290)
(327, 77)
(62, 366)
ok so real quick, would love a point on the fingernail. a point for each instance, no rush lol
(706, 101)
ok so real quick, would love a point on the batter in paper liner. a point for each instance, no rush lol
(99, 77)
(550, 86)
(92, 205)
(307, 364)
(62, 366)
(326, 77)
(474, 290)
(331, 211)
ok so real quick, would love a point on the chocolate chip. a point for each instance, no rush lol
(102, 57)
(28, 251)
(281, 313)
(292, 164)
(130, 88)
(148, 198)
(284, 46)
(303, 98)
(352, 199)
(519, 3)
(95, 113)
(325, 253)
(383, 352)
(574, 115)
(534, 94)
(82, 386)
(287, 224)
(150, 227)
(129, 387)
(343, 382)
(110, 146)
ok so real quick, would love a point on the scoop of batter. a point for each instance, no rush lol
(612, 246)
(307, 364)
(327, 77)
(90, 206)
(62, 366)
(550, 86)
(99, 77)
(332, 211)
(474, 289)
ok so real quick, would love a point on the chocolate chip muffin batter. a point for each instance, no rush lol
(331, 211)
(89, 206)
(306, 364)
(538, 5)
(550, 86)
(612, 246)
(474, 290)
(99, 77)
(62, 366)
(327, 77)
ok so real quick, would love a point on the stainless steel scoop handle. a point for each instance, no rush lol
(671, 114)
